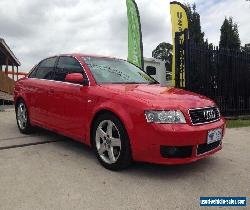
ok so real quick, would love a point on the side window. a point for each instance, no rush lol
(45, 69)
(67, 65)
(33, 72)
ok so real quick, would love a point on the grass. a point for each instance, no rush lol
(238, 123)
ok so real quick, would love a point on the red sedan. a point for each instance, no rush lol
(120, 111)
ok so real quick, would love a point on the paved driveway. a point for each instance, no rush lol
(47, 171)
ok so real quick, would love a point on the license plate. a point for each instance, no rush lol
(214, 136)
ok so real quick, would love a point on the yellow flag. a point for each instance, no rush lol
(179, 19)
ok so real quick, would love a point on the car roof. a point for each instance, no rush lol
(89, 55)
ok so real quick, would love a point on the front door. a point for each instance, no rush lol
(70, 100)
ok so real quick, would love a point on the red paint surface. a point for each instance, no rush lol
(69, 109)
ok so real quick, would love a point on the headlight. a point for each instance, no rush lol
(167, 117)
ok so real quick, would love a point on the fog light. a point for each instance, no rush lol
(171, 151)
(176, 152)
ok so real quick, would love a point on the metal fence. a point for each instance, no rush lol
(220, 74)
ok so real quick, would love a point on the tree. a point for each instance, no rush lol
(195, 32)
(164, 52)
(230, 38)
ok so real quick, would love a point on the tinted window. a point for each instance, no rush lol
(67, 65)
(45, 69)
(48, 63)
(33, 72)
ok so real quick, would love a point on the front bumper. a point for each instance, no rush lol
(191, 140)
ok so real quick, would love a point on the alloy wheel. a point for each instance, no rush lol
(22, 118)
(108, 142)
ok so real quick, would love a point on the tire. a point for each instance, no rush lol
(111, 143)
(22, 118)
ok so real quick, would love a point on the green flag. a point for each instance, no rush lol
(135, 46)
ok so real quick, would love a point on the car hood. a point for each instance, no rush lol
(160, 97)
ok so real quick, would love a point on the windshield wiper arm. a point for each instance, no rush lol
(154, 83)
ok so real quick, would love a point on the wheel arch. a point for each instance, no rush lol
(21, 98)
(124, 120)
(17, 100)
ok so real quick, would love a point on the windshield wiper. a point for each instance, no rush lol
(154, 83)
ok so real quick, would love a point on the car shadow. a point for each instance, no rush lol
(66, 143)
(137, 168)
(172, 171)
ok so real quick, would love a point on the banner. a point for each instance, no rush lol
(135, 46)
(179, 19)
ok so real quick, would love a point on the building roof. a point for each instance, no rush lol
(6, 51)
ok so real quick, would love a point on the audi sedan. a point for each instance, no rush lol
(118, 110)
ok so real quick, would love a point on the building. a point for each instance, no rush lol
(8, 66)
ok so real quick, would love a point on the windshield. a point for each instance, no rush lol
(107, 70)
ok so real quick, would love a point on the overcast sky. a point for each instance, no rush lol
(36, 29)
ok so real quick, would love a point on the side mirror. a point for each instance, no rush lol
(76, 78)
(150, 70)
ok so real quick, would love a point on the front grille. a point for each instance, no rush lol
(176, 152)
(203, 148)
(204, 115)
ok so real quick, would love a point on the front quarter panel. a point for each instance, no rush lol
(127, 109)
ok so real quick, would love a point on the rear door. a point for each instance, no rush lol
(40, 98)
(70, 99)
